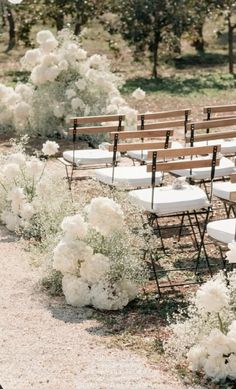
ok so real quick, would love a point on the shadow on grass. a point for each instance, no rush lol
(178, 85)
(207, 60)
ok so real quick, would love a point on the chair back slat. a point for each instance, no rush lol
(97, 119)
(142, 134)
(184, 164)
(95, 129)
(212, 136)
(123, 147)
(211, 124)
(219, 109)
(184, 152)
(164, 114)
(166, 124)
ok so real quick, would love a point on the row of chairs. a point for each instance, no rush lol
(195, 156)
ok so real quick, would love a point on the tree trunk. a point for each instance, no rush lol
(230, 46)
(198, 42)
(59, 21)
(77, 28)
(12, 32)
(157, 40)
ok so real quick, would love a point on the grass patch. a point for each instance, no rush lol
(182, 85)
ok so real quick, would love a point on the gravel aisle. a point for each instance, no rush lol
(45, 344)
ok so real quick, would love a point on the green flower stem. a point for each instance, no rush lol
(220, 323)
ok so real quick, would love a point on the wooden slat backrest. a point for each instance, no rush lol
(212, 136)
(183, 164)
(122, 147)
(219, 109)
(96, 119)
(95, 129)
(167, 124)
(142, 134)
(211, 124)
(184, 152)
(164, 114)
(78, 123)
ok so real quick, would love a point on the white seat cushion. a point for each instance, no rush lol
(228, 146)
(89, 156)
(225, 190)
(129, 176)
(142, 156)
(225, 168)
(168, 200)
(222, 230)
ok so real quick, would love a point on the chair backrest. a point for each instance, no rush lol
(219, 124)
(219, 112)
(170, 164)
(147, 140)
(164, 119)
(79, 122)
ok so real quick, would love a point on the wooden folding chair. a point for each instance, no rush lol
(176, 120)
(133, 176)
(226, 192)
(167, 202)
(74, 158)
(195, 137)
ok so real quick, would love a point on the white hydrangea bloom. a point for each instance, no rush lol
(43, 36)
(139, 94)
(34, 167)
(63, 65)
(105, 215)
(11, 170)
(77, 103)
(22, 111)
(74, 227)
(197, 357)
(80, 84)
(59, 110)
(106, 297)
(15, 1)
(95, 268)
(69, 254)
(31, 58)
(50, 148)
(38, 75)
(12, 99)
(130, 118)
(231, 254)
(76, 291)
(212, 296)
(26, 91)
(216, 368)
(70, 93)
(130, 287)
(27, 211)
(16, 196)
(49, 45)
(49, 60)
(232, 329)
(11, 220)
(217, 343)
(18, 158)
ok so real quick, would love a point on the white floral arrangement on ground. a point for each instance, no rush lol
(64, 82)
(207, 338)
(96, 259)
(32, 200)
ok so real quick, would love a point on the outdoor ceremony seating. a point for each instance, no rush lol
(90, 157)
(226, 192)
(170, 201)
(176, 119)
(194, 137)
(134, 176)
(228, 146)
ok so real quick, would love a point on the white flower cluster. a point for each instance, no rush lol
(86, 271)
(208, 337)
(64, 81)
(24, 187)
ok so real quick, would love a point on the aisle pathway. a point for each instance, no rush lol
(48, 345)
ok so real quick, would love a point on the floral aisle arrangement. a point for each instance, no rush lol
(32, 201)
(96, 259)
(207, 339)
(64, 82)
